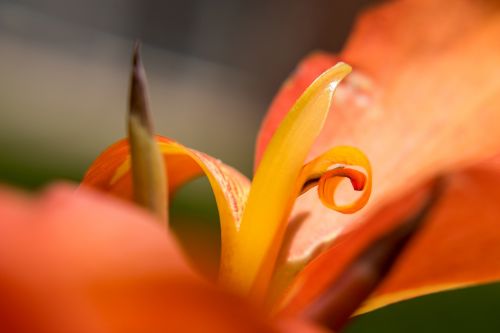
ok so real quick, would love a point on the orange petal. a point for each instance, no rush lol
(111, 173)
(457, 248)
(88, 263)
(324, 268)
(85, 263)
(294, 325)
(422, 100)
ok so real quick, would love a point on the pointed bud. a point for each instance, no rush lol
(148, 166)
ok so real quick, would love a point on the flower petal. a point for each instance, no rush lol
(86, 262)
(421, 101)
(111, 173)
(305, 73)
(457, 248)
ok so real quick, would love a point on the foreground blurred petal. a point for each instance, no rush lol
(110, 172)
(87, 263)
(84, 262)
(422, 100)
(294, 325)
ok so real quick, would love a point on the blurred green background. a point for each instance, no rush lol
(213, 68)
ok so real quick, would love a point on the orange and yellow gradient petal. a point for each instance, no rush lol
(111, 173)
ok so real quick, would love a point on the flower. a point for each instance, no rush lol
(253, 216)
(391, 106)
(86, 262)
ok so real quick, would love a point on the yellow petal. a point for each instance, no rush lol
(274, 187)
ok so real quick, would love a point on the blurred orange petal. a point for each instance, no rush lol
(87, 263)
(291, 325)
(423, 99)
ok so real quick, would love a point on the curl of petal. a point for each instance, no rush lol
(111, 173)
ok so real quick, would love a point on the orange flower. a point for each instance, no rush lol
(82, 262)
(419, 103)
(253, 217)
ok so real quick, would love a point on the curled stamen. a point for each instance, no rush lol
(326, 172)
(329, 182)
(358, 179)
(317, 173)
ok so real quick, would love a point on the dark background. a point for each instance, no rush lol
(223, 58)
(264, 38)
